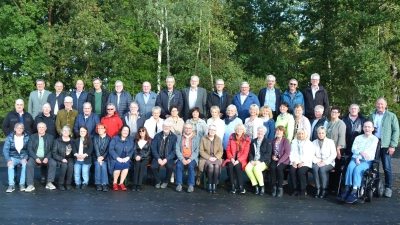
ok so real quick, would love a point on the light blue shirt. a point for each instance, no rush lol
(367, 145)
(378, 123)
(270, 98)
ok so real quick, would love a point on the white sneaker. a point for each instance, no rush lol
(50, 186)
(30, 188)
(10, 189)
(22, 187)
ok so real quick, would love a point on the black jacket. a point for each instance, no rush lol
(144, 153)
(12, 118)
(50, 124)
(86, 150)
(321, 98)
(104, 97)
(162, 101)
(222, 102)
(314, 133)
(33, 145)
(169, 148)
(265, 151)
(60, 147)
(100, 148)
(353, 129)
(60, 100)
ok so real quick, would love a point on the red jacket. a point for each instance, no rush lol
(113, 124)
(242, 154)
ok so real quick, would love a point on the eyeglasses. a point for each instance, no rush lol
(142, 131)
(293, 84)
(110, 109)
(334, 112)
(101, 128)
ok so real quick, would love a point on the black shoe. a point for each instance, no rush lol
(104, 187)
(242, 190)
(295, 193)
(317, 193)
(323, 194)
(84, 186)
(68, 187)
(209, 188)
(98, 187)
(302, 193)
(139, 188)
(134, 188)
(61, 187)
(280, 192)
(233, 189)
(273, 194)
(214, 188)
(262, 190)
(256, 191)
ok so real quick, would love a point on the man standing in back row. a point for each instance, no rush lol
(194, 96)
(37, 98)
(169, 97)
(270, 96)
(315, 95)
(387, 130)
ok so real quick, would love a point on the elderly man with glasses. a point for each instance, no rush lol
(112, 121)
(293, 96)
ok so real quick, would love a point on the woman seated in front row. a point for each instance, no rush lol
(259, 159)
(364, 149)
(119, 157)
(301, 156)
(323, 162)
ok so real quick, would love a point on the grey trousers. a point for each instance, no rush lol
(30, 171)
(321, 175)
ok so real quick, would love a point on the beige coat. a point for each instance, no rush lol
(205, 144)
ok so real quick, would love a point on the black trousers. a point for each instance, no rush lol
(299, 174)
(238, 170)
(138, 170)
(30, 171)
(169, 166)
(66, 171)
(277, 173)
(213, 173)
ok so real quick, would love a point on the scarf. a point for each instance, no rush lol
(239, 142)
(228, 121)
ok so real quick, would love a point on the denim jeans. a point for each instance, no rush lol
(354, 173)
(179, 171)
(81, 168)
(11, 172)
(100, 173)
(387, 167)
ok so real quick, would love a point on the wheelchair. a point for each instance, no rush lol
(371, 184)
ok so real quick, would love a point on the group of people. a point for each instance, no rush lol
(197, 131)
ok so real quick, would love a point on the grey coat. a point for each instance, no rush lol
(195, 148)
(35, 104)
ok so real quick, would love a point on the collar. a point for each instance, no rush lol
(316, 89)
(191, 89)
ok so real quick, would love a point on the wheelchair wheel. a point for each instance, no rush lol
(370, 193)
(379, 188)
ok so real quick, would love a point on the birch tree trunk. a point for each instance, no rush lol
(199, 48)
(159, 57)
(209, 54)
(168, 42)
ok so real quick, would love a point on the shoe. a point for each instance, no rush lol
(164, 185)
(233, 189)
(302, 193)
(343, 196)
(98, 187)
(214, 188)
(323, 193)
(295, 193)
(84, 186)
(262, 190)
(133, 187)
(242, 190)
(158, 185)
(68, 187)
(178, 188)
(62, 188)
(115, 187)
(317, 193)
(122, 187)
(351, 198)
(172, 180)
(139, 188)
(43, 180)
(209, 188)
(10, 189)
(198, 181)
(190, 189)
(256, 191)
(280, 193)
(50, 186)
(30, 188)
(273, 194)
(104, 187)
(388, 193)
(22, 187)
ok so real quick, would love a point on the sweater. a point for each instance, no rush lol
(337, 133)
(288, 123)
(104, 97)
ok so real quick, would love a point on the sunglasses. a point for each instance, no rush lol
(293, 84)
(110, 109)
(142, 131)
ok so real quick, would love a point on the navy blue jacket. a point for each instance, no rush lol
(78, 103)
(243, 110)
(60, 100)
(222, 102)
(90, 123)
(162, 101)
(9, 148)
(117, 145)
(261, 98)
(321, 98)
(170, 147)
(125, 100)
(12, 118)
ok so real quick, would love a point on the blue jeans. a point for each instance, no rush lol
(81, 168)
(179, 171)
(354, 173)
(11, 172)
(100, 173)
(387, 167)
